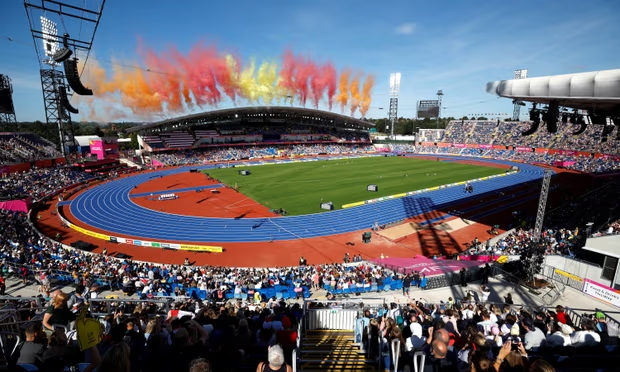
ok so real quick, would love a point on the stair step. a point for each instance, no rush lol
(335, 361)
(330, 347)
(343, 332)
(349, 369)
(324, 356)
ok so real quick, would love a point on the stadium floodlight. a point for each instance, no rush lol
(394, 84)
(394, 91)
(49, 30)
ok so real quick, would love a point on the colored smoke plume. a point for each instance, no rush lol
(356, 96)
(171, 82)
(343, 87)
(366, 94)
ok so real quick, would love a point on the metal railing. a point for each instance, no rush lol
(569, 280)
(338, 314)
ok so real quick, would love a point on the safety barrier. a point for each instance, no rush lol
(340, 314)
(409, 193)
(139, 242)
(562, 277)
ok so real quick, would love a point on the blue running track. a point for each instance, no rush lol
(174, 191)
(109, 207)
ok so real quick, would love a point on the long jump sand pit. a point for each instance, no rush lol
(401, 231)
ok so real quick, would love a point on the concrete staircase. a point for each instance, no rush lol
(332, 350)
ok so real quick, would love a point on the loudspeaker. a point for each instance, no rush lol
(64, 100)
(73, 77)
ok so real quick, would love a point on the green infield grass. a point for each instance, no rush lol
(299, 188)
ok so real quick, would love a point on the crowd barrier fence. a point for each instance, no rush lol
(338, 314)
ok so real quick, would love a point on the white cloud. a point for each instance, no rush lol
(405, 29)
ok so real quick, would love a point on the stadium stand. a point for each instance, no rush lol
(25, 147)
(241, 312)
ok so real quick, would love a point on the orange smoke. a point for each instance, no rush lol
(366, 94)
(343, 87)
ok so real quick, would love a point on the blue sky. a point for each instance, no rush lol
(456, 46)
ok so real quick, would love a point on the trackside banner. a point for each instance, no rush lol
(402, 195)
(142, 243)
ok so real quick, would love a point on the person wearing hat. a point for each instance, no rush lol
(601, 323)
(558, 335)
(533, 337)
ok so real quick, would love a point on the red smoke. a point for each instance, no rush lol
(171, 81)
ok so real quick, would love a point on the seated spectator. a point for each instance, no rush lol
(534, 337)
(559, 335)
(31, 350)
(58, 313)
(587, 336)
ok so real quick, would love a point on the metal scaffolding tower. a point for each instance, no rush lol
(542, 205)
(50, 47)
(7, 110)
(516, 112)
(394, 91)
(55, 113)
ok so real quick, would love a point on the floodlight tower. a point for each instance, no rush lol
(516, 112)
(394, 91)
(54, 83)
(439, 99)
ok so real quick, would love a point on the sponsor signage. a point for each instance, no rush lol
(601, 292)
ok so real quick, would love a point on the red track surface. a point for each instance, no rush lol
(227, 203)
(267, 254)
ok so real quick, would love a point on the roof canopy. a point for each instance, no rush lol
(257, 114)
(605, 245)
(587, 90)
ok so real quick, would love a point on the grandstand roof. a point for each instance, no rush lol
(605, 245)
(255, 114)
(587, 90)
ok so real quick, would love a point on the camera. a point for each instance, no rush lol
(516, 341)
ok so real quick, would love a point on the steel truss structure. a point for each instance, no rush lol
(542, 205)
(394, 92)
(7, 115)
(55, 113)
(516, 112)
(47, 33)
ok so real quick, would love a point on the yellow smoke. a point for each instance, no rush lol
(247, 83)
(267, 79)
